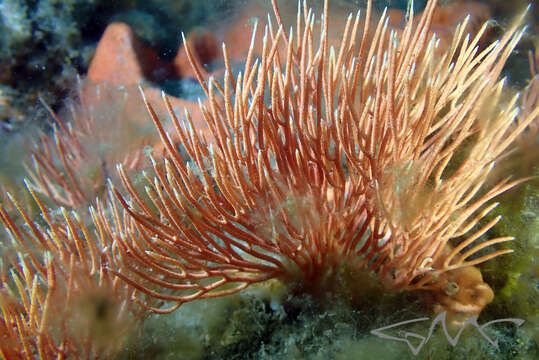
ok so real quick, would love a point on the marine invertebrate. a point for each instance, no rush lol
(97, 130)
(371, 157)
(56, 299)
(336, 157)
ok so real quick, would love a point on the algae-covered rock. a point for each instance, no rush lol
(515, 276)
(44, 44)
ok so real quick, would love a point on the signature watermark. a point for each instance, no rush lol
(440, 318)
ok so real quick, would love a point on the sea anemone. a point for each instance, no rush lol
(56, 298)
(101, 127)
(371, 156)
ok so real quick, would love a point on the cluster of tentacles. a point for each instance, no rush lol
(369, 155)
